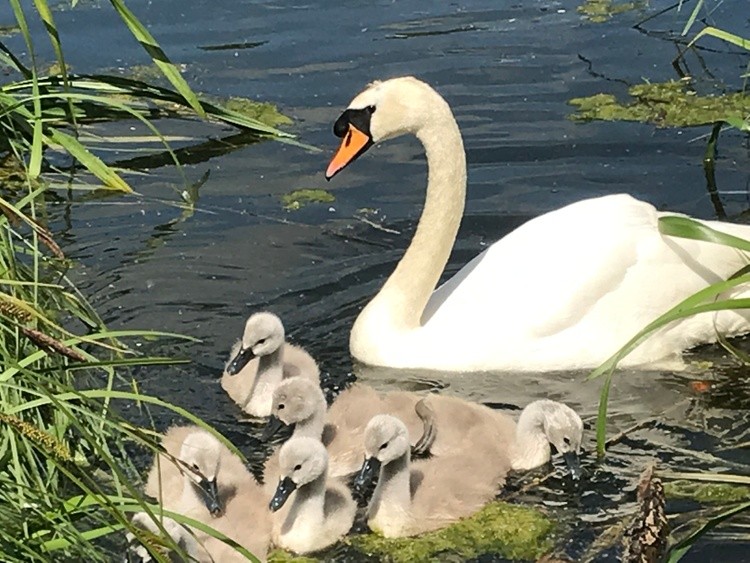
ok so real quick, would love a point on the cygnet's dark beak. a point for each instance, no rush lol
(369, 468)
(286, 487)
(241, 359)
(211, 496)
(273, 426)
(574, 464)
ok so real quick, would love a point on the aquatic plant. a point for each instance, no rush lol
(67, 480)
(298, 199)
(706, 300)
(48, 110)
(665, 104)
(513, 531)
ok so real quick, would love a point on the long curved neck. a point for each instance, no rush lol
(308, 506)
(393, 489)
(268, 377)
(532, 447)
(408, 289)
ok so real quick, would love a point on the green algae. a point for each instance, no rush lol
(514, 531)
(706, 492)
(665, 104)
(264, 112)
(281, 556)
(298, 199)
(599, 11)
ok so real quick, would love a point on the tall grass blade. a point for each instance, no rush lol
(161, 60)
(678, 550)
(35, 159)
(692, 18)
(703, 301)
(723, 35)
(93, 163)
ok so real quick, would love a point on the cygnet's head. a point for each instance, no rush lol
(295, 400)
(564, 430)
(201, 457)
(384, 110)
(301, 461)
(264, 335)
(386, 439)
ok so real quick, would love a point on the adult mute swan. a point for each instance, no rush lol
(563, 291)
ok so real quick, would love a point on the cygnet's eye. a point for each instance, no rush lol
(383, 446)
(566, 441)
(261, 341)
(281, 406)
(297, 467)
(195, 467)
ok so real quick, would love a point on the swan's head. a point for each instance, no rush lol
(383, 111)
(263, 335)
(386, 439)
(201, 459)
(301, 461)
(295, 400)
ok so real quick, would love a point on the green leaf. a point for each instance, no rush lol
(681, 548)
(723, 35)
(92, 162)
(685, 227)
(161, 60)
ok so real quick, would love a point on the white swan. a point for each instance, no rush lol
(563, 291)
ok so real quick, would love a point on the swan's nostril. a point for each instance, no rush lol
(341, 126)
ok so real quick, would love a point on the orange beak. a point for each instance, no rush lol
(354, 144)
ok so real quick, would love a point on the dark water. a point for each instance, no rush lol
(507, 69)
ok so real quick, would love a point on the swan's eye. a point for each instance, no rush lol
(566, 441)
(297, 467)
(371, 109)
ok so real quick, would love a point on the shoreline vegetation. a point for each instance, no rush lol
(68, 484)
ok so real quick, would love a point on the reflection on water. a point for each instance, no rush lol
(145, 265)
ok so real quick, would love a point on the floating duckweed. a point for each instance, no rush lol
(262, 111)
(281, 556)
(46, 441)
(599, 11)
(707, 492)
(515, 532)
(146, 73)
(666, 104)
(299, 198)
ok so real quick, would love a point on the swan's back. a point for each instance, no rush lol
(546, 296)
(449, 488)
(349, 415)
(467, 428)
